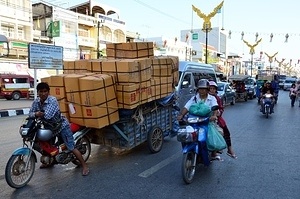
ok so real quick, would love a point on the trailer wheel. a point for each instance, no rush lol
(155, 139)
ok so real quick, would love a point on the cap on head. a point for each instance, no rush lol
(203, 83)
(212, 83)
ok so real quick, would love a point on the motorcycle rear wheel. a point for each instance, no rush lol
(84, 146)
(16, 175)
(188, 169)
(267, 111)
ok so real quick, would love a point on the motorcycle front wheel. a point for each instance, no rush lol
(188, 168)
(17, 174)
(267, 111)
(84, 146)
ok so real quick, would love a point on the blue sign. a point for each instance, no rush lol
(42, 56)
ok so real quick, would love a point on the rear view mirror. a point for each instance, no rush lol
(4, 51)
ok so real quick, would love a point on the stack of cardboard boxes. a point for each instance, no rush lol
(90, 92)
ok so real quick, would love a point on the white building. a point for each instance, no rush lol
(16, 25)
(174, 47)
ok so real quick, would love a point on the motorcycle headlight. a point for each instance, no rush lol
(23, 131)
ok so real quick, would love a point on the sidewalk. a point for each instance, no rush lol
(10, 108)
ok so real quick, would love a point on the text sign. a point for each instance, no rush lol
(195, 36)
(41, 56)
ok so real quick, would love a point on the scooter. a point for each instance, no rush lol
(267, 104)
(193, 139)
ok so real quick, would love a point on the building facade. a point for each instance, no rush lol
(169, 46)
(83, 30)
(16, 25)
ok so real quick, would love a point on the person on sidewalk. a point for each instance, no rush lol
(213, 87)
(46, 106)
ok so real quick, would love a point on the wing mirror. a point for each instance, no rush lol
(185, 84)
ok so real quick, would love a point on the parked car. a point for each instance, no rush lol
(287, 84)
(226, 93)
(250, 85)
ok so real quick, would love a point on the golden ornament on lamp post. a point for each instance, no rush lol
(271, 57)
(279, 63)
(252, 51)
(207, 24)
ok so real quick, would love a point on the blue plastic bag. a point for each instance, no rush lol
(215, 141)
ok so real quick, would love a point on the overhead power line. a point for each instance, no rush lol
(161, 12)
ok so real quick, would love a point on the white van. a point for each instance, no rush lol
(189, 75)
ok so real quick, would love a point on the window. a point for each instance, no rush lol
(186, 81)
(204, 75)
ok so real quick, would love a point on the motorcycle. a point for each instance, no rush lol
(21, 165)
(193, 139)
(267, 104)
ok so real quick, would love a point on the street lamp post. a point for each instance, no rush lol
(206, 42)
(251, 64)
(207, 24)
(98, 37)
(252, 50)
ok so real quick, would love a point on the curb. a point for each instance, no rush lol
(9, 113)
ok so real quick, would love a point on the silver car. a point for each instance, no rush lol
(226, 93)
(287, 84)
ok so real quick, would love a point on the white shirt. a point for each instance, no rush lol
(210, 101)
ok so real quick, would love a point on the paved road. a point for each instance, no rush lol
(267, 165)
(14, 104)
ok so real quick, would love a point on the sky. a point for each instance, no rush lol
(153, 18)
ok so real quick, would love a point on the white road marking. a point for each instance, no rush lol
(155, 168)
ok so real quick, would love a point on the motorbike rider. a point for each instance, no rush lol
(202, 94)
(46, 106)
(213, 87)
(267, 89)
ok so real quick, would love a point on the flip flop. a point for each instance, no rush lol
(215, 158)
(232, 156)
(86, 173)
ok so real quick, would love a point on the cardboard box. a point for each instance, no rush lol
(77, 116)
(47, 80)
(131, 50)
(72, 87)
(161, 87)
(132, 95)
(82, 65)
(68, 67)
(128, 70)
(102, 115)
(164, 66)
(97, 89)
(58, 92)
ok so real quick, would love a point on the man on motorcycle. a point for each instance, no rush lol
(266, 89)
(204, 96)
(201, 95)
(46, 106)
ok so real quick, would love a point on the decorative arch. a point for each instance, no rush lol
(97, 9)
(119, 36)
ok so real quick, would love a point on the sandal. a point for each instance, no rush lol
(215, 157)
(231, 155)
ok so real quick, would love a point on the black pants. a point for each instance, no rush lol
(227, 135)
(293, 99)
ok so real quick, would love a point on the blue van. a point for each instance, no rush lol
(189, 75)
